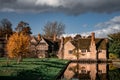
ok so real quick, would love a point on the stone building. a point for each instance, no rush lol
(84, 48)
(43, 47)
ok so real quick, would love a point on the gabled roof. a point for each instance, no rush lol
(43, 42)
(49, 42)
(101, 43)
(34, 40)
(84, 43)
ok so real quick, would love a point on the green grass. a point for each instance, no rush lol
(31, 69)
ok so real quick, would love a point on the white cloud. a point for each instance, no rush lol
(54, 3)
(115, 19)
(109, 27)
(85, 25)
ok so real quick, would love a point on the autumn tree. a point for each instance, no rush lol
(5, 28)
(53, 28)
(23, 27)
(114, 43)
(17, 46)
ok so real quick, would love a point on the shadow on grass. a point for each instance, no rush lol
(49, 63)
(45, 69)
(26, 75)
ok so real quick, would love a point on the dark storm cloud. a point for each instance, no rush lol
(65, 6)
(7, 1)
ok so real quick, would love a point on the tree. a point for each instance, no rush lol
(23, 27)
(17, 46)
(5, 28)
(78, 36)
(53, 28)
(114, 43)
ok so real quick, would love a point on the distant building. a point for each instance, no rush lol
(84, 48)
(39, 47)
(43, 47)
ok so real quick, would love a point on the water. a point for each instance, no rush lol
(94, 71)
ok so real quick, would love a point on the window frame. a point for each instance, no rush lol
(83, 50)
(70, 51)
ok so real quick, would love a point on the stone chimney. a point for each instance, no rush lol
(61, 49)
(39, 37)
(106, 40)
(54, 37)
(92, 38)
(93, 51)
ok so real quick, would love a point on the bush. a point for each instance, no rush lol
(113, 56)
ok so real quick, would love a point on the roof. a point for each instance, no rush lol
(34, 40)
(50, 42)
(84, 43)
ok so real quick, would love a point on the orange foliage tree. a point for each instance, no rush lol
(18, 46)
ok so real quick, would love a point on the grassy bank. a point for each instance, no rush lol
(31, 69)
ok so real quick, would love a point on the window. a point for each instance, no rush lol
(99, 50)
(83, 71)
(70, 51)
(83, 50)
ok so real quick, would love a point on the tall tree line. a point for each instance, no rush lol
(6, 28)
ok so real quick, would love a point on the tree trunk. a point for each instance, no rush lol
(8, 61)
(19, 59)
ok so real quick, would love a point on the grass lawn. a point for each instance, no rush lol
(31, 69)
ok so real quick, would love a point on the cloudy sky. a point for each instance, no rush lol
(79, 16)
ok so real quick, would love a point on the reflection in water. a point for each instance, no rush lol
(85, 71)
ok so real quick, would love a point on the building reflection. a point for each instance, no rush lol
(84, 71)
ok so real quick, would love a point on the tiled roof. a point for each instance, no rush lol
(84, 43)
(101, 44)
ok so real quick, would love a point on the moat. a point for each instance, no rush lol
(91, 71)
